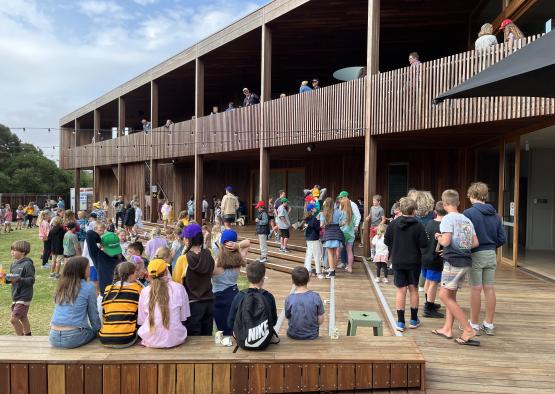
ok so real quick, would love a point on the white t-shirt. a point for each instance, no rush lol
(283, 212)
(486, 41)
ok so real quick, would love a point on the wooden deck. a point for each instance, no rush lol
(518, 359)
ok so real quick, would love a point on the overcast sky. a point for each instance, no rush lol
(58, 55)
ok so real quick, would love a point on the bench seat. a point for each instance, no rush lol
(201, 366)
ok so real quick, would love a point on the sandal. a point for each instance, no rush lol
(467, 342)
(440, 334)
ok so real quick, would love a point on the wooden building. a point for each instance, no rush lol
(379, 133)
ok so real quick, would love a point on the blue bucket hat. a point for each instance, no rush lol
(310, 207)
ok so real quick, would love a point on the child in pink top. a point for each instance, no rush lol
(162, 325)
(8, 219)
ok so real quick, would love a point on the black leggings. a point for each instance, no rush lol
(381, 265)
(45, 252)
(30, 219)
(201, 321)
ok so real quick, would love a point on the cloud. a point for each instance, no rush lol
(145, 2)
(59, 58)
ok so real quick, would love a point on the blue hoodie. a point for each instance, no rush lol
(488, 226)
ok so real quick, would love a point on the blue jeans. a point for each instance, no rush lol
(72, 338)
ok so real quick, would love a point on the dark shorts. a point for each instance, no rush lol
(204, 215)
(431, 275)
(229, 218)
(20, 311)
(404, 278)
(284, 233)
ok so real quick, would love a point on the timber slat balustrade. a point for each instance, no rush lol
(408, 93)
(202, 367)
(402, 101)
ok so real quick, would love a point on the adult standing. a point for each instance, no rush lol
(230, 205)
(414, 59)
(250, 98)
(511, 33)
(147, 126)
(304, 87)
(61, 203)
(205, 209)
(315, 84)
(486, 39)
(491, 236)
(119, 207)
(191, 207)
(345, 259)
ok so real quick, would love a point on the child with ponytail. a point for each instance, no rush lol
(163, 309)
(119, 308)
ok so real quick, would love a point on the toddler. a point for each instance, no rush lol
(382, 253)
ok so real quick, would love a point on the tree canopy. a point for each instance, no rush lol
(25, 169)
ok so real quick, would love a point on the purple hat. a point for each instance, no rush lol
(228, 236)
(191, 231)
(228, 189)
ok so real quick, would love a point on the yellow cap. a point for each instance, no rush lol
(156, 267)
(96, 204)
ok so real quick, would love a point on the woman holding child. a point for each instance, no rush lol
(231, 257)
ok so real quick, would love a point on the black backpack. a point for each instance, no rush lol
(254, 325)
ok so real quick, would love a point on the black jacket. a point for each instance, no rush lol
(404, 237)
(312, 231)
(56, 237)
(430, 258)
(129, 217)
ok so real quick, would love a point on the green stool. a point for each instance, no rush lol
(364, 319)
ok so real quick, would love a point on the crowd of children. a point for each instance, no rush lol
(185, 282)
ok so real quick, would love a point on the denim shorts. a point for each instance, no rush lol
(431, 275)
(72, 338)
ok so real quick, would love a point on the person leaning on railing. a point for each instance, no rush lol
(486, 39)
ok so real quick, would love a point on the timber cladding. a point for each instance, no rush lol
(205, 378)
(351, 363)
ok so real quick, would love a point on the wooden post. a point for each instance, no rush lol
(154, 182)
(154, 104)
(77, 187)
(370, 147)
(121, 127)
(199, 161)
(265, 95)
(96, 133)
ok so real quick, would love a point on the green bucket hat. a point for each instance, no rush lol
(110, 244)
(284, 200)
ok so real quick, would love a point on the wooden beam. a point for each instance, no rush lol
(199, 88)
(121, 116)
(96, 133)
(121, 179)
(77, 187)
(153, 182)
(266, 81)
(264, 180)
(198, 186)
(154, 104)
(370, 146)
(514, 10)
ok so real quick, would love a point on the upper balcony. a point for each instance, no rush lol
(400, 101)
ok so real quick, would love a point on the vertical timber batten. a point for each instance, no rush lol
(77, 195)
(265, 95)
(370, 148)
(199, 162)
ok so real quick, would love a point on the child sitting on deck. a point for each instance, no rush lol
(304, 308)
(163, 309)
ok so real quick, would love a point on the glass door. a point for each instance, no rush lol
(510, 177)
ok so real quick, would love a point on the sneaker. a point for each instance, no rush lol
(52, 274)
(414, 323)
(433, 313)
(263, 260)
(476, 328)
(320, 276)
(385, 280)
(341, 266)
(486, 330)
(46, 266)
(400, 326)
(377, 280)
(436, 306)
(286, 250)
(313, 272)
(330, 275)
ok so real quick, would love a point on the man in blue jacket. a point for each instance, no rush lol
(491, 235)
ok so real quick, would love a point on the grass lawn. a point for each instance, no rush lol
(42, 305)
